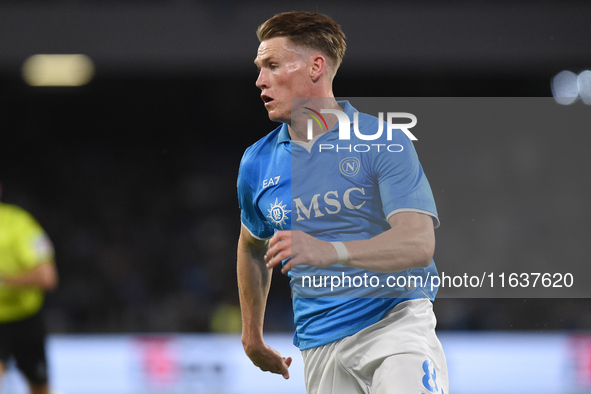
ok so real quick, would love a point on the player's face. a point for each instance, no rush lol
(283, 74)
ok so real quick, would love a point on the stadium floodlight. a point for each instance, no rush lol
(58, 70)
(564, 87)
(584, 85)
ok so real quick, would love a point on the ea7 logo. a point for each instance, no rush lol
(345, 125)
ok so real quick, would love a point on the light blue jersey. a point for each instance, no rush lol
(337, 190)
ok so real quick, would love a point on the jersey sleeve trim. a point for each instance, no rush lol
(436, 222)
(255, 236)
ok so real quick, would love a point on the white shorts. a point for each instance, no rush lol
(400, 354)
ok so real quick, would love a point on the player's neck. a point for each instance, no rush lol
(307, 122)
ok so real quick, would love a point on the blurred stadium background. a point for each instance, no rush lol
(133, 177)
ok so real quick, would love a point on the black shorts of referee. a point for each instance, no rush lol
(25, 341)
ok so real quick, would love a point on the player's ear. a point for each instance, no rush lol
(318, 67)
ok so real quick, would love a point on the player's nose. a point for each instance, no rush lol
(261, 81)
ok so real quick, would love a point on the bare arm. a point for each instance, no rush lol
(254, 280)
(409, 243)
(44, 276)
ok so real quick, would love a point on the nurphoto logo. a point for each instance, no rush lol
(345, 129)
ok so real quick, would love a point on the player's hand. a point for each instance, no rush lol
(302, 248)
(268, 359)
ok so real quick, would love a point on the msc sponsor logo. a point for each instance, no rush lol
(278, 213)
(329, 204)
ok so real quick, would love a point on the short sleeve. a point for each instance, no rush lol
(402, 182)
(250, 215)
(32, 245)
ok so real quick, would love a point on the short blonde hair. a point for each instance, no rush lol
(310, 30)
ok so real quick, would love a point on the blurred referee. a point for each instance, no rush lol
(27, 271)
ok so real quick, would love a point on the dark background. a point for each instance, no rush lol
(133, 175)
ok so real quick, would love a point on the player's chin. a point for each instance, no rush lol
(275, 116)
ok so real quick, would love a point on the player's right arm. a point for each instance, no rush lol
(254, 280)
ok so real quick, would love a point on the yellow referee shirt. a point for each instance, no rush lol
(23, 246)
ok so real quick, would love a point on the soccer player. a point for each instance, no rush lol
(335, 213)
(27, 271)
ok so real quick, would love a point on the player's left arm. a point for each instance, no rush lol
(409, 243)
(43, 275)
(36, 255)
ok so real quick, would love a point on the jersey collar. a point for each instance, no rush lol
(283, 135)
(348, 109)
